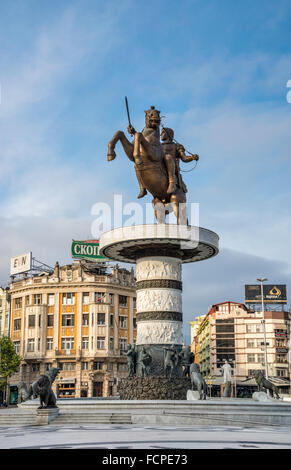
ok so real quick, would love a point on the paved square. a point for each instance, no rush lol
(144, 437)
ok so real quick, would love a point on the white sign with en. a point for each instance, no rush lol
(20, 264)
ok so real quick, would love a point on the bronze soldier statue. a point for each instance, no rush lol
(173, 152)
(131, 360)
(156, 165)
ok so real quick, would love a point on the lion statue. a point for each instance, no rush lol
(264, 383)
(42, 388)
(23, 393)
(197, 381)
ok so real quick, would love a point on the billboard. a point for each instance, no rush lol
(20, 264)
(273, 293)
(88, 249)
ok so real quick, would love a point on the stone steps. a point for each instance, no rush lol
(12, 418)
(92, 418)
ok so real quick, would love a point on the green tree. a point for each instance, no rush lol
(9, 362)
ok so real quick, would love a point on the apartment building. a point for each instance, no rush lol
(231, 332)
(78, 318)
(4, 311)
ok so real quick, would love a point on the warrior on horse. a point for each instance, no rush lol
(156, 165)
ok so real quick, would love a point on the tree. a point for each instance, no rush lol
(9, 362)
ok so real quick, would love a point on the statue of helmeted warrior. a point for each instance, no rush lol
(145, 360)
(171, 360)
(173, 152)
(186, 359)
(156, 165)
(131, 360)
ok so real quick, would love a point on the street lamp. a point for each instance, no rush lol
(264, 323)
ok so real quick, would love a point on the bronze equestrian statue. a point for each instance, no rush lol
(156, 165)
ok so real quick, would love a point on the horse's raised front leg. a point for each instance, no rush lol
(127, 146)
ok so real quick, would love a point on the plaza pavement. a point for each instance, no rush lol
(144, 437)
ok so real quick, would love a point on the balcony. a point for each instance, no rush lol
(65, 352)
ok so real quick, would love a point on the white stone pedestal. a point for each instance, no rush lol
(45, 415)
(159, 250)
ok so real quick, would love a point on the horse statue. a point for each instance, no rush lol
(156, 165)
(264, 383)
(197, 381)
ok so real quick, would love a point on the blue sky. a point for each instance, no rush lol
(217, 70)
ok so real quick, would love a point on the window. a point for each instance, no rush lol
(259, 328)
(282, 333)
(281, 372)
(17, 324)
(85, 342)
(51, 299)
(250, 327)
(31, 321)
(281, 358)
(123, 301)
(27, 300)
(49, 344)
(85, 319)
(251, 343)
(134, 302)
(84, 365)
(99, 297)
(100, 318)
(48, 366)
(111, 343)
(225, 343)
(122, 344)
(38, 344)
(18, 303)
(110, 366)
(17, 346)
(50, 320)
(122, 367)
(134, 322)
(35, 367)
(68, 320)
(37, 298)
(67, 343)
(69, 299)
(100, 342)
(85, 298)
(122, 322)
(97, 365)
(251, 358)
(261, 358)
(30, 345)
(111, 298)
(111, 320)
(67, 365)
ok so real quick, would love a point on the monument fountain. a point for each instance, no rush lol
(158, 364)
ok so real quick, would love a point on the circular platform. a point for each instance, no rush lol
(187, 243)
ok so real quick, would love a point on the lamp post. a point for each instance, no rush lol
(264, 323)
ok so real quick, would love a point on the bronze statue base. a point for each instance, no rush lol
(154, 388)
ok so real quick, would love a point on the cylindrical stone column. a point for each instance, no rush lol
(159, 301)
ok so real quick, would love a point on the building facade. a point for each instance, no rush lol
(4, 311)
(80, 319)
(231, 332)
(195, 335)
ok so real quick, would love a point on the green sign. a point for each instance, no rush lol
(88, 249)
